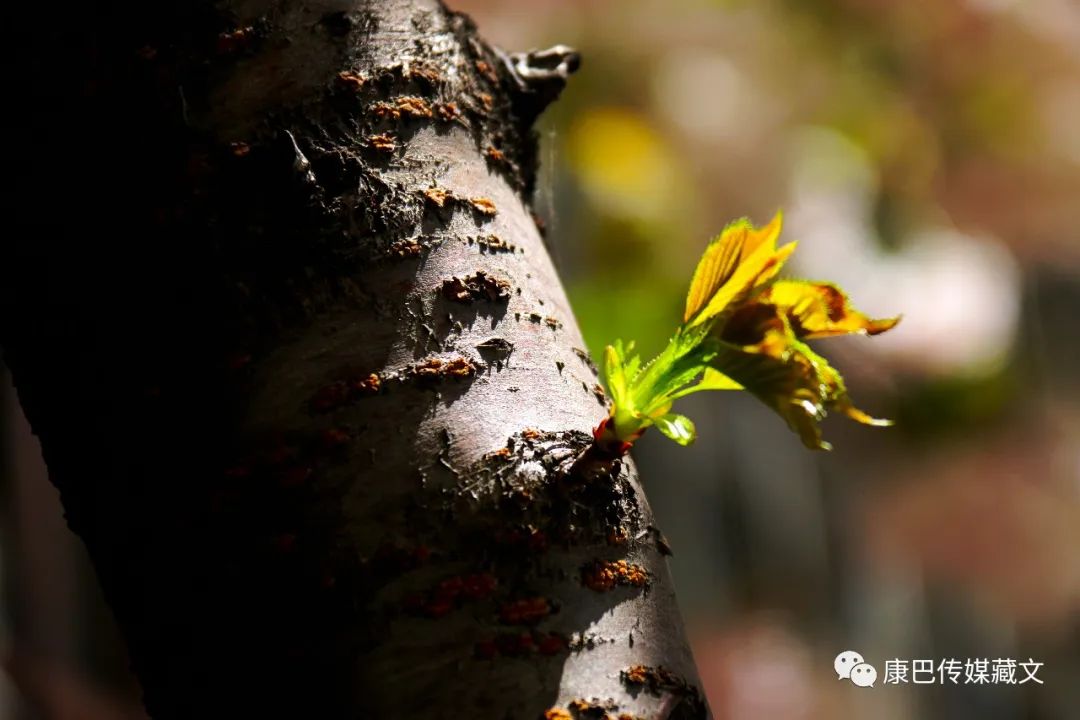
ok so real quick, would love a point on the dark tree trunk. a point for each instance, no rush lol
(303, 372)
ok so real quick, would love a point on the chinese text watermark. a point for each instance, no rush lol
(850, 665)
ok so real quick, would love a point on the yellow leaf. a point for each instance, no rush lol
(844, 405)
(766, 235)
(757, 270)
(727, 255)
(820, 310)
(761, 352)
(715, 267)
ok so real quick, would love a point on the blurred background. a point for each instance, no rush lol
(926, 154)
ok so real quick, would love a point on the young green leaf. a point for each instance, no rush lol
(677, 427)
(711, 379)
(742, 329)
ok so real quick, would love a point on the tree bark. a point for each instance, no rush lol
(305, 376)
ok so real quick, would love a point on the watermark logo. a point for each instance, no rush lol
(850, 665)
(864, 675)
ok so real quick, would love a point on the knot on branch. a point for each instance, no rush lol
(539, 76)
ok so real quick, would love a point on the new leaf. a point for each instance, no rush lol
(742, 329)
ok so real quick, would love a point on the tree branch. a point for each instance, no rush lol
(308, 381)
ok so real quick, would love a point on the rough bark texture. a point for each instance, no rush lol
(304, 374)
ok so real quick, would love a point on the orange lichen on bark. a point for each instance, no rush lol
(526, 611)
(385, 110)
(368, 385)
(234, 40)
(485, 69)
(437, 369)
(557, 714)
(658, 680)
(438, 196)
(405, 249)
(602, 576)
(530, 538)
(480, 286)
(426, 73)
(494, 243)
(618, 537)
(521, 644)
(515, 644)
(448, 112)
(450, 594)
(339, 393)
(596, 709)
(413, 107)
(484, 206)
(383, 142)
(551, 644)
(408, 105)
(479, 586)
(350, 80)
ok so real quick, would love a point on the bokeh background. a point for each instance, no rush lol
(926, 154)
